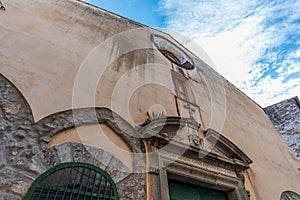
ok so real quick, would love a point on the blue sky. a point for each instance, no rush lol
(143, 11)
(254, 44)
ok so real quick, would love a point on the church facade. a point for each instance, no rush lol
(96, 106)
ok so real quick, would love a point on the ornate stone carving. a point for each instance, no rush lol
(194, 139)
(196, 163)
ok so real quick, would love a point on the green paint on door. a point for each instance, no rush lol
(182, 191)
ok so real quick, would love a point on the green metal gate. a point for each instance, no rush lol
(70, 181)
(182, 191)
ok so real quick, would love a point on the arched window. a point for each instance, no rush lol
(170, 56)
(73, 181)
(173, 52)
(186, 64)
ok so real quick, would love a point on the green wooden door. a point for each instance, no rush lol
(182, 191)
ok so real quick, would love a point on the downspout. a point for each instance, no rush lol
(148, 177)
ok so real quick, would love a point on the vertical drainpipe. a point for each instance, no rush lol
(148, 177)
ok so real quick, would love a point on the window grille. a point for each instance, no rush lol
(73, 181)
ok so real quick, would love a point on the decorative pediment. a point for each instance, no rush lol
(182, 133)
(227, 148)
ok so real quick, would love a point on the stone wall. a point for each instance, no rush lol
(24, 154)
(285, 116)
(16, 143)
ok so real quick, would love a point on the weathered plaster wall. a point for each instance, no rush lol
(285, 116)
(66, 54)
(256, 135)
(71, 49)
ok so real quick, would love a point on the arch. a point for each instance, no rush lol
(71, 152)
(80, 180)
(14, 104)
(65, 120)
(289, 195)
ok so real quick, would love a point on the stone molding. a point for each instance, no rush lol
(230, 149)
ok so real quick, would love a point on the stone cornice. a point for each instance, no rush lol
(231, 149)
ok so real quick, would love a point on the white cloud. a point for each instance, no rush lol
(269, 91)
(295, 54)
(245, 41)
